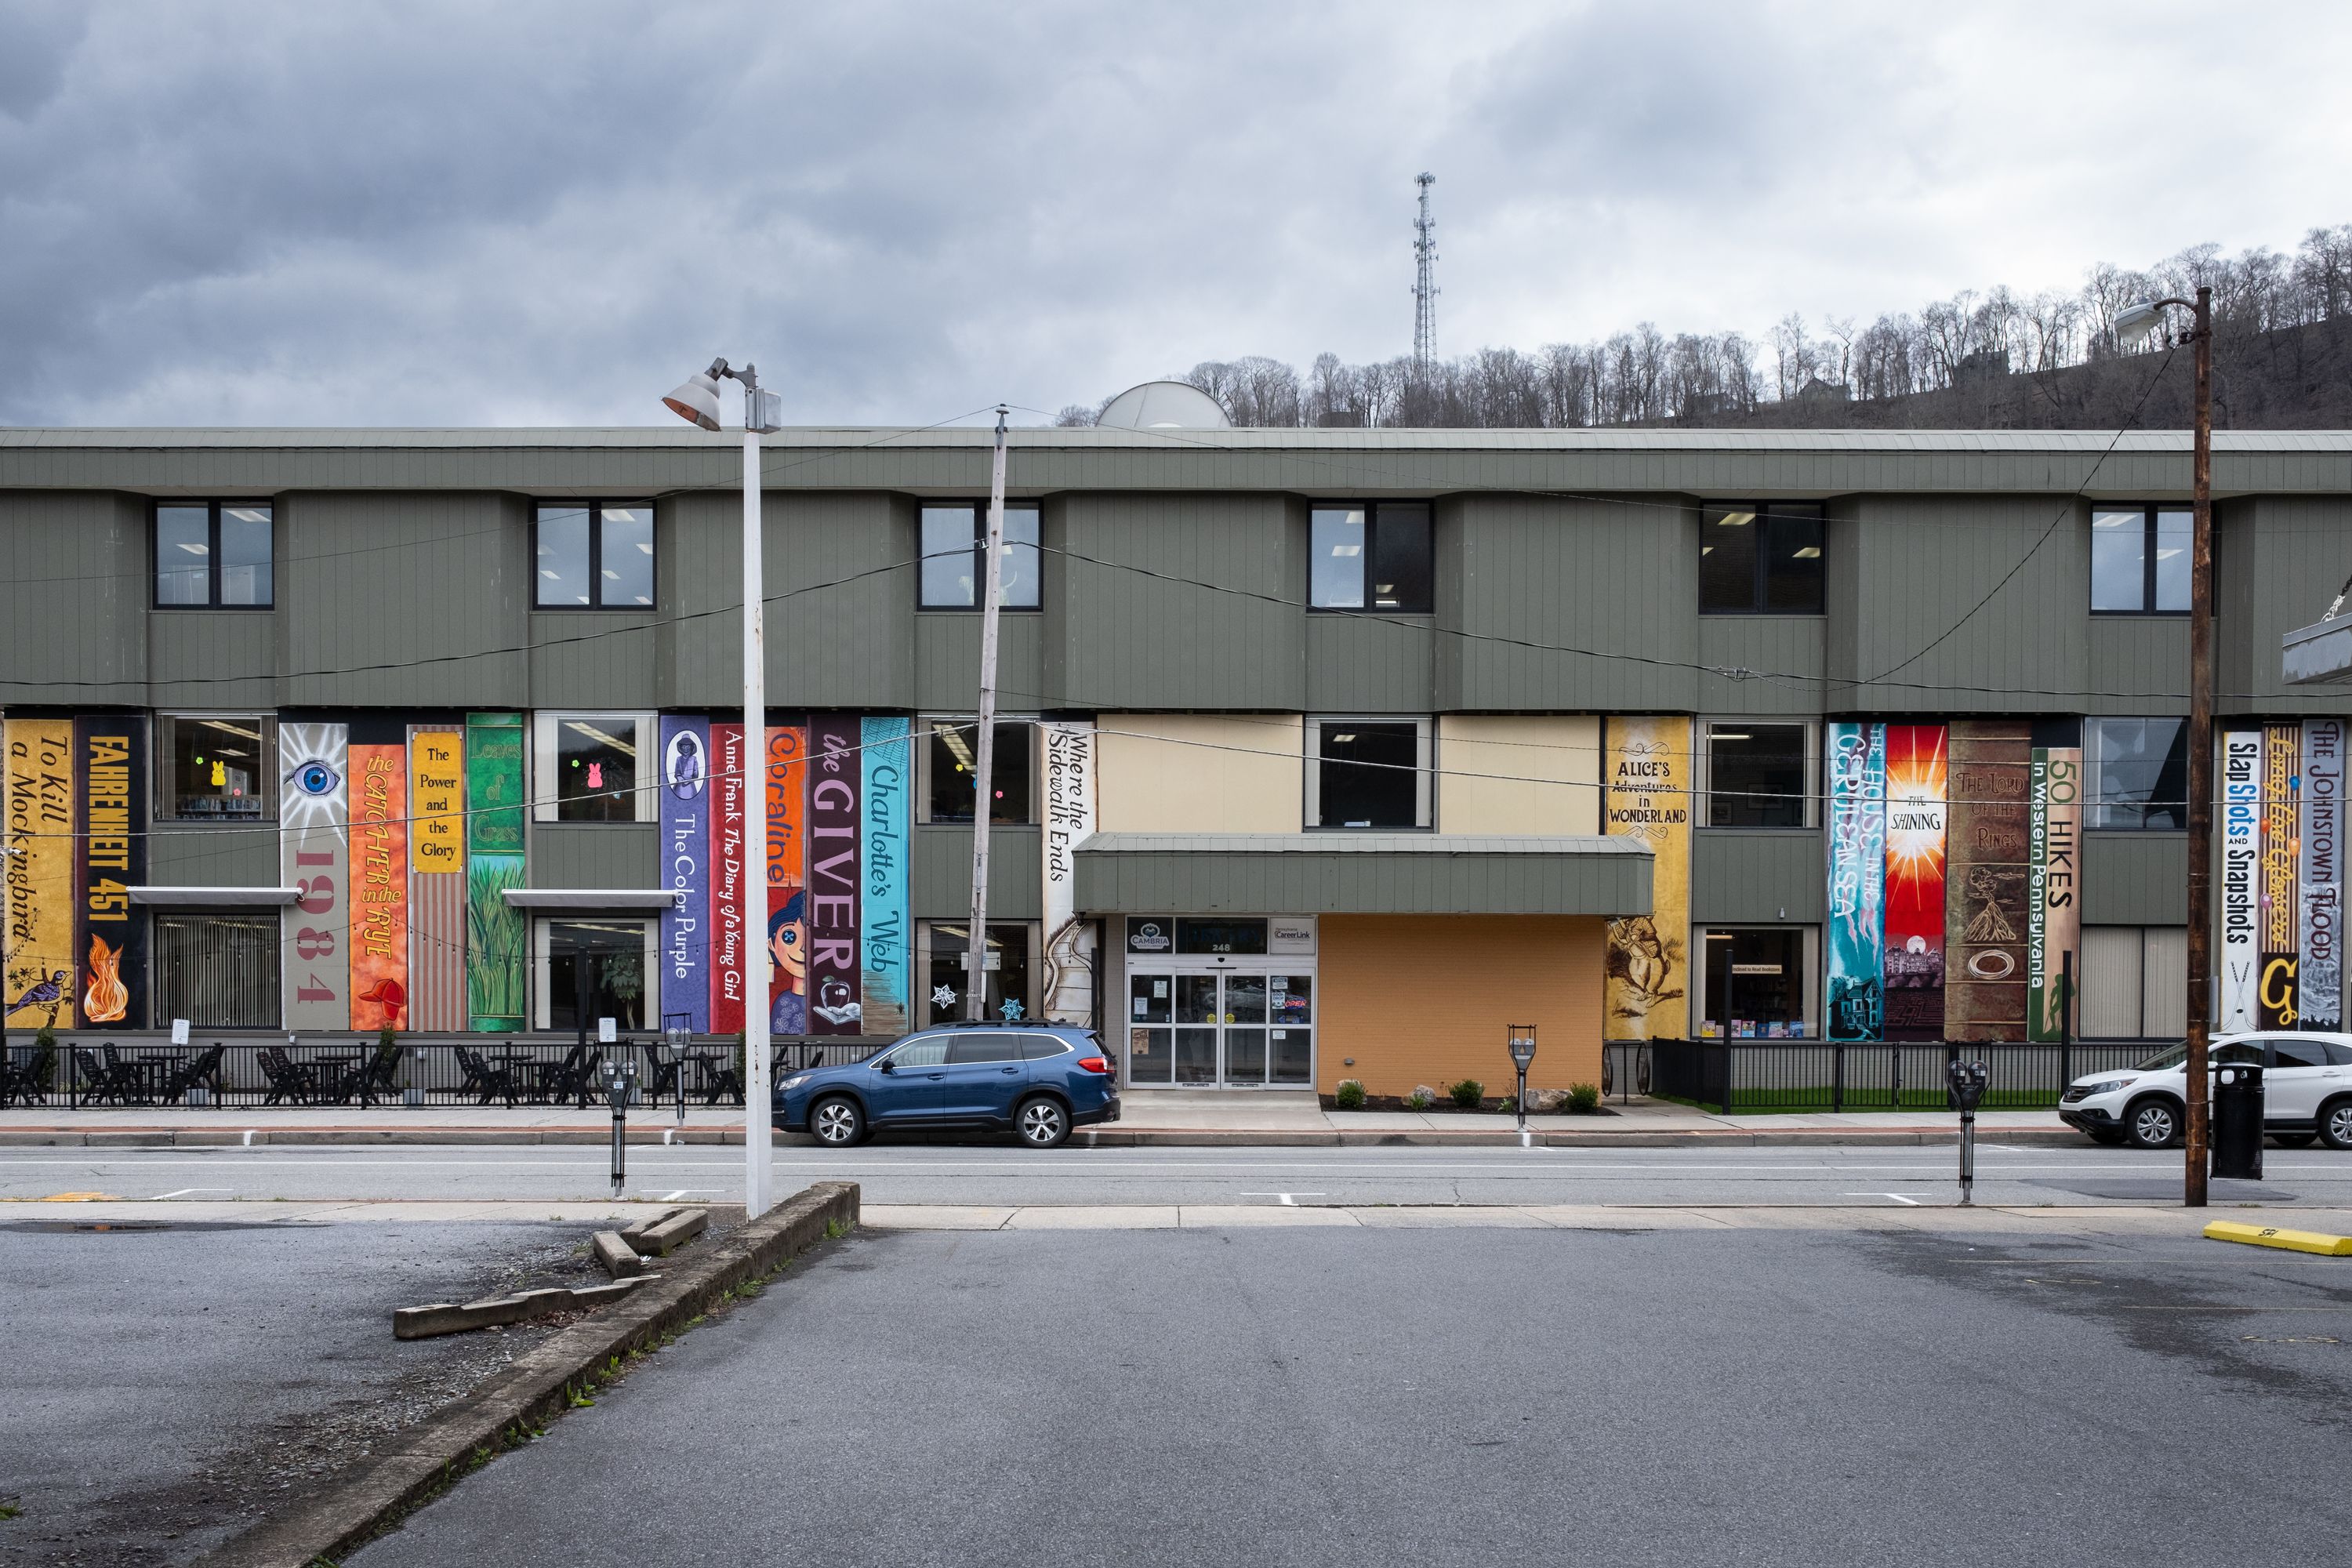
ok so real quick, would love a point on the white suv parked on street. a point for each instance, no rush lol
(2306, 1092)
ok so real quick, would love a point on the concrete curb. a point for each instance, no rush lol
(354, 1505)
(1083, 1137)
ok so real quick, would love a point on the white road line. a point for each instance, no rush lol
(1289, 1200)
(1898, 1197)
(184, 1192)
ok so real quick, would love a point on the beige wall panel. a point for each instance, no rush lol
(1430, 999)
(1506, 774)
(1191, 773)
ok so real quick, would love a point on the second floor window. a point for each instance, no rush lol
(1761, 559)
(2139, 561)
(594, 555)
(216, 767)
(954, 551)
(1374, 557)
(214, 555)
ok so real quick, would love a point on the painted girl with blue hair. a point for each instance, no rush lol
(788, 967)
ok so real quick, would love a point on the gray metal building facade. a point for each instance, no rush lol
(1174, 580)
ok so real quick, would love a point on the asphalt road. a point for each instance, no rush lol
(1459, 1396)
(165, 1386)
(983, 1173)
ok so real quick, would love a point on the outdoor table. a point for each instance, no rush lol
(155, 1069)
(344, 1065)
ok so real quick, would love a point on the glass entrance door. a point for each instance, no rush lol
(1222, 1028)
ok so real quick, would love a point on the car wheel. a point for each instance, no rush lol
(2336, 1123)
(2153, 1124)
(2293, 1139)
(837, 1123)
(1041, 1122)
(2105, 1137)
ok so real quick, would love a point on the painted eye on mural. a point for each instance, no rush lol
(314, 778)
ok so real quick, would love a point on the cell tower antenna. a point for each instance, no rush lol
(1424, 287)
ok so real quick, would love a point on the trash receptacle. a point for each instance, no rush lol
(2237, 1122)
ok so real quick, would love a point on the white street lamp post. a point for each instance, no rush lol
(697, 400)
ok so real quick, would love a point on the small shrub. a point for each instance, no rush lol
(1583, 1098)
(1349, 1095)
(1422, 1098)
(1467, 1094)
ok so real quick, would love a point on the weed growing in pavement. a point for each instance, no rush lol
(835, 1229)
(9, 1510)
(1467, 1094)
(1583, 1098)
(1349, 1095)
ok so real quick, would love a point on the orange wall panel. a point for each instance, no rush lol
(1428, 999)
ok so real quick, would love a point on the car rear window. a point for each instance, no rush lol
(1037, 1047)
(984, 1048)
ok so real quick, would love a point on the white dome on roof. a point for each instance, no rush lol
(1164, 405)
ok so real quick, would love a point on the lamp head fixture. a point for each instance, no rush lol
(2134, 323)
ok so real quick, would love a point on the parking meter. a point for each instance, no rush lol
(1523, 1051)
(1969, 1079)
(620, 1083)
(678, 1037)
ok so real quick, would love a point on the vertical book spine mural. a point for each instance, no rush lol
(1987, 846)
(1646, 797)
(1068, 996)
(1857, 880)
(380, 878)
(685, 818)
(437, 879)
(887, 974)
(497, 934)
(730, 776)
(783, 915)
(110, 937)
(1916, 817)
(835, 980)
(314, 849)
(2275, 994)
(2320, 980)
(41, 960)
(2053, 891)
(2241, 836)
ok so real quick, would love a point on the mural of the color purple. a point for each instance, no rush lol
(685, 817)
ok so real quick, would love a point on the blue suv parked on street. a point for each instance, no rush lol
(1037, 1079)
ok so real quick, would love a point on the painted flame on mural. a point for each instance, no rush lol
(104, 1000)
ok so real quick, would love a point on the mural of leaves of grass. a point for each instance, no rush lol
(494, 934)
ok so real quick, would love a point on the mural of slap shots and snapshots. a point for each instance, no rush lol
(399, 840)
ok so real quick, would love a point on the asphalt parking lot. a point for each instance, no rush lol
(1461, 1396)
(166, 1384)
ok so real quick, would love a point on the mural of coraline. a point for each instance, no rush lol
(787, 968)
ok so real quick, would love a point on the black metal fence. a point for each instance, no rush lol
(1730, 1076)
(486, 1070)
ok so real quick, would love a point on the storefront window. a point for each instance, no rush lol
(216, 971)
(953, 769)
(600, 964)
(1754, 984)
(1007, 978)
(595, 769)
(1756, 775)
(216, 769)
(2139, 773)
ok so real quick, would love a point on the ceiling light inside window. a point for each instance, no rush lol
(1809, 553)
(1347, 550)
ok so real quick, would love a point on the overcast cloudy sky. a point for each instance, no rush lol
(349, 214)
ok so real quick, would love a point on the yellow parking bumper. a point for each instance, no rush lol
(2271, 1236)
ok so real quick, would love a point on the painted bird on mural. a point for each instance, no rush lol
(41, 995)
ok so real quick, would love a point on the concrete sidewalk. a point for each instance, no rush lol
(1152, 1118)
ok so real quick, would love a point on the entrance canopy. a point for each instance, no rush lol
(1363, 873)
